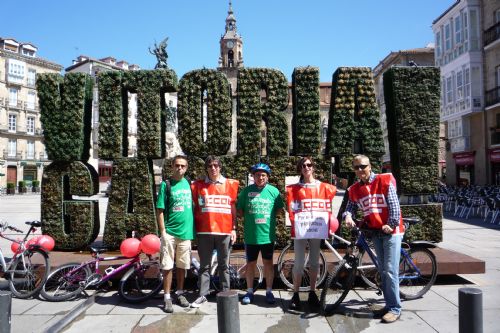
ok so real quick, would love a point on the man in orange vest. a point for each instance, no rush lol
(376, 196)
(215, 221)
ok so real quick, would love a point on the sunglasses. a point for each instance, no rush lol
(359, 167)
(182, 166)
(216, 166)
(307, 165)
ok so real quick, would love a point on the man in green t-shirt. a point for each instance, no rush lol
(258, 204)
(174, 209)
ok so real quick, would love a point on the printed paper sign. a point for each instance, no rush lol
(311, 224)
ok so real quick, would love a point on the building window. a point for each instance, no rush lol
(16, 71)
(31, 150)
(12, 122)
(458, 30)
(447, 37)
(449, 92)
(438, 44)
(31, 77)
(460, 85)
(12, 96)
(467, 82)
(12, 148)
(30, 103)
(30, 125)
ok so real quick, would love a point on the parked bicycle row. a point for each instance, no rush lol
(207, 208)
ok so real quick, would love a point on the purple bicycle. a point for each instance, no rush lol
(141, 281)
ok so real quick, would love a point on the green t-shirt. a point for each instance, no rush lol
(259, 207)
(179, 220)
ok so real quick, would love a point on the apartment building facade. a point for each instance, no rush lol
(22, 150)
(459, 54)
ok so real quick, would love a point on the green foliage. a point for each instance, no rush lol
(412, 96)
(35, 183)
(65, 113)
(253, 109)
(212, 87)
(21, 183)
(306, 119)
(431, 228)
(353, 126)
(11, 185)
(131, 201)
(72, 223)
(150, 85)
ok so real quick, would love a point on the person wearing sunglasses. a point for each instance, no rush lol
(309, 204)
(376, 196)
(174, 215)
(215, 221)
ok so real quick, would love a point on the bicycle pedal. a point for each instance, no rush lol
(379, 292)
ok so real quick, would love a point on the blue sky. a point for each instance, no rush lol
(276, 34)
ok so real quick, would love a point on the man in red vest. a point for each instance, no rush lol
(215, 221)
(376, 196)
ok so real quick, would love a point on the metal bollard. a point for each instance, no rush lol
(470, 310)
(5, 308)
(228, 314)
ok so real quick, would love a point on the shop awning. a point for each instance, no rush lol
(495, 155)
(465, 158)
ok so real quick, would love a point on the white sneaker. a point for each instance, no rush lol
(199, 302)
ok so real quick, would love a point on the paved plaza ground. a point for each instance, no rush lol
(437, 311)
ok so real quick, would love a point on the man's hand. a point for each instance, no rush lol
(233, 236)
(387, 229)
(349, 222)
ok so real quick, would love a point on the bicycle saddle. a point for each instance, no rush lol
(34, 223)
(98, 249)
(412, 220)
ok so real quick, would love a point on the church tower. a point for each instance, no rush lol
(231, 49)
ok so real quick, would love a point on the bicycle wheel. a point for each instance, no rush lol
(141, 282)
(417, 272)
(337, 286)
(286, 261)
(367, 270)
(29, 273)
(237, 274)
(62, 286)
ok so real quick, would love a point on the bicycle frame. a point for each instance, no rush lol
(22, 247)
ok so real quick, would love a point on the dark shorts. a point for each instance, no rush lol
(252, 251)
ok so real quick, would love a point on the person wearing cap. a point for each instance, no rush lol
(258, 204)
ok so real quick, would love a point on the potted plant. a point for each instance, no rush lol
(35, 186)
(11, 188)
(21, 187)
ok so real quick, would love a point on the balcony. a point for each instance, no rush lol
(492, 97)
(492, 34)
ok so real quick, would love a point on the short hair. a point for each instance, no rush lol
(302, 161)
(210, 159)
(182, 157)
(360, 157)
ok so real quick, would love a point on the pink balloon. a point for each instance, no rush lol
(32, 241)
(334, 224)
(130, 247)
(46, 242)
(15, 246)
(150, 244)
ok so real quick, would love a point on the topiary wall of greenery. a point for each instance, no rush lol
(412, 96)
(65, 112)
(72, 223)
(306, 118)
(131, 201)
(209, 87)
(353, 125)
(431, 215)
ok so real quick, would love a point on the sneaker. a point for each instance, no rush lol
(247, 299)
(378, 309)
(295, 302)
(182, 301)
(199, 302)
(168, 308)
(390, 317)
(270, 297)
(313, 299)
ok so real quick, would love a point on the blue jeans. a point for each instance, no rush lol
(388, 249)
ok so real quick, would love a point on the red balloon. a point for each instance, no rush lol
(334, 224)
(150, 244)
(46, 242)
(15, 246)
(32, 241)
(130, 247)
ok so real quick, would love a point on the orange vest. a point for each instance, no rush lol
(371, 199)
(309, 197)
(212, 206)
